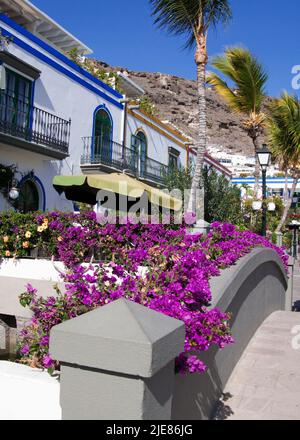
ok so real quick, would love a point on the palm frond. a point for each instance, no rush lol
(216, 11)
(224, 91)
(284, 130)
(224, 65)
(248, 77)
(185, 17)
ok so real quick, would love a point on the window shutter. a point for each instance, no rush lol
(134, 142)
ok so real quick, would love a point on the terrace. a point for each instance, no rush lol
(31, 128)
(104, 155)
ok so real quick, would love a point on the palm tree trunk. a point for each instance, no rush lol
(288, 204)
(286, 186)
(257, 166)
(196, 200)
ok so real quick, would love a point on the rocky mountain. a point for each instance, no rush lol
(175, 99)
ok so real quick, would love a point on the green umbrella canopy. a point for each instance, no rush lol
(85, 189)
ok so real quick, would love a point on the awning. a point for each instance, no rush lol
(85, 189)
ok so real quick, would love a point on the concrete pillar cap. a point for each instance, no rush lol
(122, 337)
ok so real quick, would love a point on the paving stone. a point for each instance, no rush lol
(265, 385)
(263, 350)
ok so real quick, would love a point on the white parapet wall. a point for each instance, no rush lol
(31, 269)
(43, 275)
(16, 274)
(28, 394)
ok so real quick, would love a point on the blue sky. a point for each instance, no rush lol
(122, 33)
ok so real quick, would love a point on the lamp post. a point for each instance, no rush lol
(294, 228)
(264, 158)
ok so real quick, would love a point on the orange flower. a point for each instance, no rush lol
(40, 229)
(59, 239)
(45, 223)
(7, 254)
(28, 234)
(6, 239)
(25, 244)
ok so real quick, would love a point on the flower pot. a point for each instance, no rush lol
(39, 252)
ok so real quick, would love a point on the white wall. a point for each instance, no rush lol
(28, 394)
(275, 184)
(209, 164)
(158, 144)
(58, 94)
(44, 170)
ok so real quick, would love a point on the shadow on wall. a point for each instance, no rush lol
(42, 98)
(195, 394)
(8, 326)
(260, 293)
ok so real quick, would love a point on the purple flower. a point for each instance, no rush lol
(25, 350)
(30, 289)
(44, 341)
(174, 280)
(48, 362)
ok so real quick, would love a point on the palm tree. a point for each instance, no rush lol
(284, 166)
(193, 19)
(284, 138)
(247, 93)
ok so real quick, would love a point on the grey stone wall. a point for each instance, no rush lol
(251, 291)
(118, 361)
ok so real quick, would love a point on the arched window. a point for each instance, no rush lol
(102, 145)
(29, 199)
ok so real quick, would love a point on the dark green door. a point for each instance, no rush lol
(17, 103)
(142, 152)
(29, 197)
(102, 145)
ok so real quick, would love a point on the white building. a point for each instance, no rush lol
(275, 185)
(239, 165)
(58, 119)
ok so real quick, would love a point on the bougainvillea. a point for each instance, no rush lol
(33, 234)
(163, 268)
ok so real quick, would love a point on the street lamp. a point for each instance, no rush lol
(13, 190)
(14, 193)
(264, 158)
(294, 227)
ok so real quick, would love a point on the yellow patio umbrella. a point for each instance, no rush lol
(85, 189)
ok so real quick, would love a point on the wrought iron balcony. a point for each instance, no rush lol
(32, 128)
(106, 155)
(154, 171)
(109, 154)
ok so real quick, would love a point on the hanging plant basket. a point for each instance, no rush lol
(6, 176)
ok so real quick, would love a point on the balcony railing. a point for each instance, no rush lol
(99, 151)
(32, 124)
(155, 171)
(111, 155)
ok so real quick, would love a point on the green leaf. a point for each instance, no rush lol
(51, 371)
